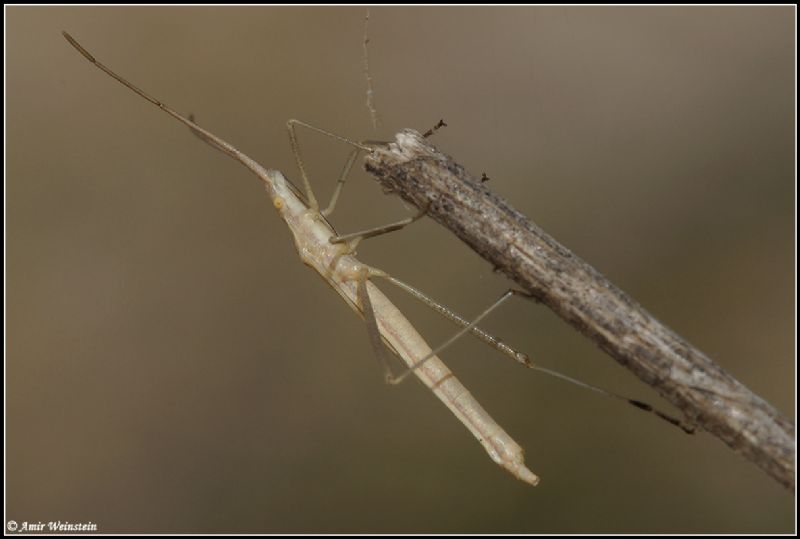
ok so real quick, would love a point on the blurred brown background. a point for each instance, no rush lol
(172, 366)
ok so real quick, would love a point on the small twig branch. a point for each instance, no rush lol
(707, 395)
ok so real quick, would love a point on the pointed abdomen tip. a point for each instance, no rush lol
(524, 474)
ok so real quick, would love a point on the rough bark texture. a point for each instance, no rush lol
(708, 396)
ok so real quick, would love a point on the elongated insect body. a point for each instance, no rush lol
(320, 248)
(341, 270)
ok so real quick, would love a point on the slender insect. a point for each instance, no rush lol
(332, 256)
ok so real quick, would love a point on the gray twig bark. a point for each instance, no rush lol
(707, 395)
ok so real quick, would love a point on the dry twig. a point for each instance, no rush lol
(708, 396)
